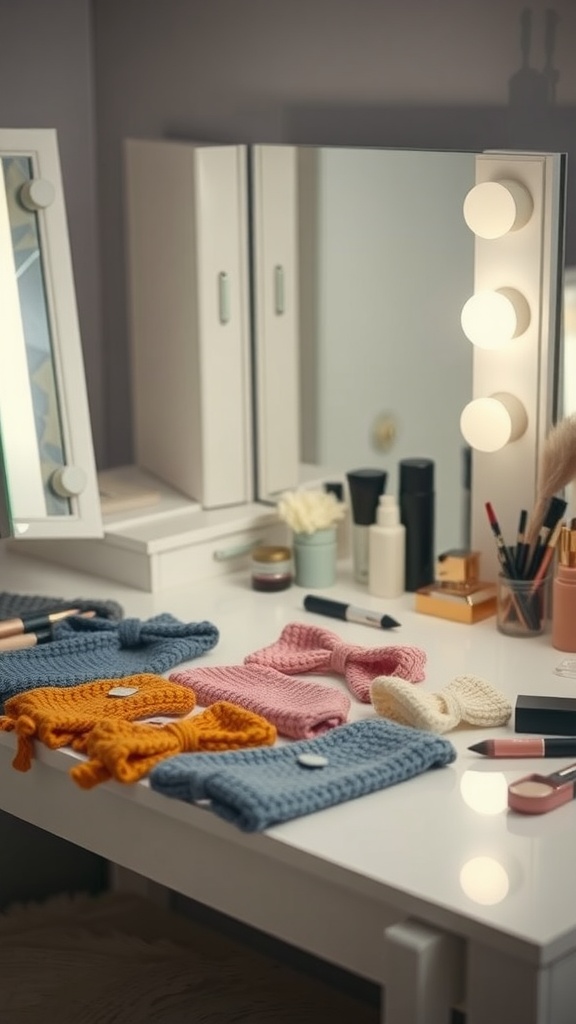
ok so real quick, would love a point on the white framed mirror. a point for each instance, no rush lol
(48, 485)
(381, 264)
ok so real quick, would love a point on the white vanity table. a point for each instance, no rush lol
(430, 888)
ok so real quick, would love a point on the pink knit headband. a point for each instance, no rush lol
(298, 709)
(302, 648)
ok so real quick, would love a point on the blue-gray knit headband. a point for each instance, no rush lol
(257, 788)
(87, 649)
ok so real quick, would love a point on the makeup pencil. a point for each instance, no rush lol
(502, 550)
(31, 623)
(522, 548)
(20, 641)
(529, 746)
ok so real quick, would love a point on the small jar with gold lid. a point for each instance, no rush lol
(271, 568)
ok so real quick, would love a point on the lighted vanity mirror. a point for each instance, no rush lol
(370, 255)
(48, 482)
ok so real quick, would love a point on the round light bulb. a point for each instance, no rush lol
(489, 424)
(37, 194)
(68, 481)
(494, 208)
(492, 318)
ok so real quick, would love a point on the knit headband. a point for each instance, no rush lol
(254, 789)
(64, 717)
(303, 648)
(297, 708)
(86, 649)
(466, 699)
(126, 751)
(13, 606)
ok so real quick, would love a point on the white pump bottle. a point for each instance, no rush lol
(386, 549)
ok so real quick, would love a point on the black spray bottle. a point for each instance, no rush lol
(417, 515)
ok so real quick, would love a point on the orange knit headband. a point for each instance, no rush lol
(126, 751)
(61, 717)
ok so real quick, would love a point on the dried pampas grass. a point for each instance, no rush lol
(556, 471)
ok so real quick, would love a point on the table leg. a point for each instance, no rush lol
(424, 974)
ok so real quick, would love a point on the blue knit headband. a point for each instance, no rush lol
(254, 789)
(87, 649)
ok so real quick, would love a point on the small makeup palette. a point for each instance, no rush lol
(536, 794)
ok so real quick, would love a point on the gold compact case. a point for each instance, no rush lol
(458, 593)
(458, 566)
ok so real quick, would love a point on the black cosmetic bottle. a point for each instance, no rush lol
(417, 515)
(365, 487)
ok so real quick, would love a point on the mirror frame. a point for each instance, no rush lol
(23, 508)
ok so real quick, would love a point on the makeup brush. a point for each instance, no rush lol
(547, 557)
(556, 510)
(557, 469)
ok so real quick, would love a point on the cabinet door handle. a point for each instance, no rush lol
(223, 297)
(279, 296)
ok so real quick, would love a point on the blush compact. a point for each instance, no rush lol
(536, 794)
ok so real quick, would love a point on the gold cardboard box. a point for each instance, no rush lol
(476, 602)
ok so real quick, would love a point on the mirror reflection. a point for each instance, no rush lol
(385, 264)
(45, 438)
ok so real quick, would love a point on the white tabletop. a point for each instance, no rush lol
(444, 840)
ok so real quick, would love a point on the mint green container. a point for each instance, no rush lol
(315, 558)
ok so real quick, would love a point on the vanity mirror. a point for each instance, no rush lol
(47, 474)
(382, 265)
(312, 301)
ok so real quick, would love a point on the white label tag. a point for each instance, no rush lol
(122, 691)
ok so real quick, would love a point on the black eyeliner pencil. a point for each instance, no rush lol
(348, 612)
(522, 548)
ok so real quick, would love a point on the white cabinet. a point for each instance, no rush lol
(276, 312)
(187, 267)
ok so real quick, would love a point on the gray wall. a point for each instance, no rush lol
(46, 81)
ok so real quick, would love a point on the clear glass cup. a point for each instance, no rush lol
(522, 606)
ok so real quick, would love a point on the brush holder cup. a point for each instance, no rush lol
(522, 606)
